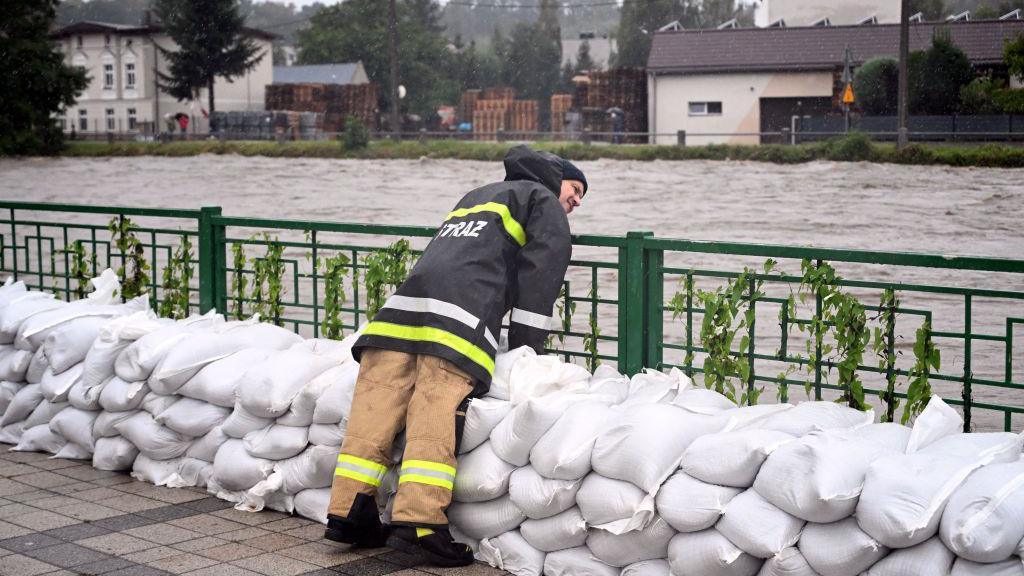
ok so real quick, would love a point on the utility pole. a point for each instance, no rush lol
(395, 119)
(902, 137)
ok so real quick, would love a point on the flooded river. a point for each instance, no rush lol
(973, 211)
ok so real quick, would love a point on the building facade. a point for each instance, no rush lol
(123, 63)
(810, 12)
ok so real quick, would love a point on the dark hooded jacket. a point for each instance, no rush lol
(505, 247)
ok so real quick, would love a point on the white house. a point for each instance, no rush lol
(811, 12)
(122, 96)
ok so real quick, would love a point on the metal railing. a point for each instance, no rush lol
(633, 301)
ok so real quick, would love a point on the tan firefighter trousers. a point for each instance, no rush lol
(396, 390)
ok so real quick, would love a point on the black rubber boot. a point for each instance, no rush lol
(362, 528)
(437, 545)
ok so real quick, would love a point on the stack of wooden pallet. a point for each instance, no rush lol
(524, 116)
(624, 88)
(468, 104)
(335, 102)
(561, 104)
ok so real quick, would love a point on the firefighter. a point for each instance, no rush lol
(504, 248)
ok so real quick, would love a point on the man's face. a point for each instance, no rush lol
(571, 195)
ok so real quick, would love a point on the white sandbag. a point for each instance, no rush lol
(565, 450)
(75, 426)
(731, 458)
(23, 403)
(338, 350)
(758, 527)
(929, 558)
(191, 417)
(644, 445)
(156, 404)
(235, 470)
(277, 442)
(55, 387)
(327, 434)
(34, 330)
(314, 468)
(789, 562)
(625, 549)
(819, 477)
(1011, 567)
(703, 401)
(191, 472)
(540, 497)
(303, 407)
(69, 343)
(115, 453)
(840, 548)
(186, 358)
(20, 309)
(206, 448)
(482, 416)
(534, 376)
(217, 382)
(938, 420)
(104, 426)
(72, 451)
(564, 530)
(241, 422)
(119, 395)
(11, 434)
(313, 504)
(614, 505)
(153, 440)
(608, 383)
(514, 437)
(7, 392)
(749, 416)
(807, 417)
(334, 404)
(512, 553)
(481, 476)
(37, 366)
(11, 290)
(904, 495)
(709, 553)
(14, 364)
(44, 412)
(984, 519)
(268, 388)
(576, 562)
(503, 364)
(85, 398)
(116, 335)
(154, 471)
(39, 439)
(486, 519)
(690, 505)
(653, 387)
(138, 360)
(656, 567)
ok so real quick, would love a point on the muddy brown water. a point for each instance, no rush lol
(940, 210)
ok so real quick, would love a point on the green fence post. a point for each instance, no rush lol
(631, 303)
(208, 260)
(654, 302)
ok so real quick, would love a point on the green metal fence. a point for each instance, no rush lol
(632, 301)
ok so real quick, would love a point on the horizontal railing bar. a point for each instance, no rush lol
(90, 209)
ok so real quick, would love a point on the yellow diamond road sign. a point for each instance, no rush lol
(848, 94)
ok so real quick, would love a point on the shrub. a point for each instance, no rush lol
(356, 136)
(1010, 100)
(978, 97)
(875, 84)
(936, 77)
(855, 147)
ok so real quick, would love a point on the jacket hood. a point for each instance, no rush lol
(544, 168)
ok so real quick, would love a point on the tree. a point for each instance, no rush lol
(640, 20)
(583, 60)
(36, 83)
(979, 97)
(936, 76)
(1013, 55)
(210, 45)
(533, 56)
(875, 86)
(930, 9)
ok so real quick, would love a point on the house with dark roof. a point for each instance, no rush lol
(738, 82)
(123, 96)
(350, 73)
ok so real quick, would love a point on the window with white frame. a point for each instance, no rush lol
(108, 76)
(110, 119)
(129, 75)
(131, 118)
(83, 120)
(705, 109)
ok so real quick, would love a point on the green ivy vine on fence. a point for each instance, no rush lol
(238, 280)
(79, 268)
(134, 272)
(334, 294)
(267, 288)
(177, 279)
(591, 337)
(926, 359)
(387, 267)
(884, 348)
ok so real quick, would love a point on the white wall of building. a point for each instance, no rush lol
(739, 94)
(839, 12)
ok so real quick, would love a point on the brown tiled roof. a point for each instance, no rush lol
(93, 27)
(817, 47)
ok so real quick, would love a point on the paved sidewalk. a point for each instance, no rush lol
(62, 517)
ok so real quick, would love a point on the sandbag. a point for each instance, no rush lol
(44, 412)
(115, 453)
(137, 361)
(481, 476)
(576, 562)
(69, 343)
(703, 401)
(690, 505)
(55, 387)
(72, 451)
(11, 434)
(644, 445)
(731, 458)
(313, 504)
(187, 357)
(564, 530)
(808, 417)
(217, 382)
(268, 388)
(512, 553)
(206, 448)
(709, 553)
(14, 364)
(540, 497)
(614, 505)
(535, 376)
(314, 468)
(20, 309)
(904, 495)
(241, 422)
(191, 472)
(819, 477)
(334, 403)
(929, 558)
(514, 437)
(104, 426)
(984, 519)
(302, 408)
(1011, 567)
(789, 562)
(338, 350)
(609, 384)
(936, 421)
(327, 434)
(39, 439)
(482, 415)
(119, 395)
(500, 382)
(564, 451)
(486, 519)
(80, 317)
(116, 335)
(153, 440)
(840, 548)
(277, 442)
(85, 398)
(630, 547)
(155, 472)
(235, 470)
(192, 418)
(75, 426)
(656, 567)
(758, 527)
(23, 403)
(653, 387)
(7, 392)
(37, 366)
